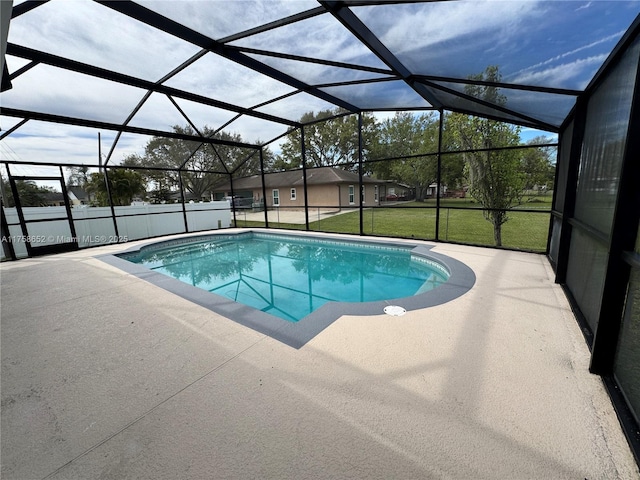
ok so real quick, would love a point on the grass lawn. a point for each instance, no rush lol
(523, 230)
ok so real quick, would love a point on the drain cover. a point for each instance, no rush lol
(394, 310)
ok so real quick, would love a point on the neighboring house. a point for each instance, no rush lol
(175, 197)
(433, 189)
(457, 192)
(78, 196)
(53, 199)
(326, 187)
(397, 192)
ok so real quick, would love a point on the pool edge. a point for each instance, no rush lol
(297, 334)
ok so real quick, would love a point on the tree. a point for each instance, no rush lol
(172, 153)
(453, 173)
(495, 176)
(124, 186)
(78, 176)
(30, 194)
(538, 164)
(202, 165)
(332, 142)
(405, 135)
(159, 184)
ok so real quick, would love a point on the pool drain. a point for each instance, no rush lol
(394, 310)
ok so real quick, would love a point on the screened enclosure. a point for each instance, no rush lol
(365, 117)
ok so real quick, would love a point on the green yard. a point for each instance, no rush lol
(523, 230)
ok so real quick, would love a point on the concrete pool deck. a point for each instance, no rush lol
(105, 375)
(284, 215)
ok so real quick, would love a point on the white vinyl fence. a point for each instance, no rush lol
(94, 225)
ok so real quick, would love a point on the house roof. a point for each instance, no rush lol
(78, 192)
(53, 197)
(187, 196)
(293, 178)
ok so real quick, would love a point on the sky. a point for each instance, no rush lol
(559, 44)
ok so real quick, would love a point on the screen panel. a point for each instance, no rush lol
(627, 364)
(604, 144)
(585, 275)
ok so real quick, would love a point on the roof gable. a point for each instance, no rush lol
(294, 178)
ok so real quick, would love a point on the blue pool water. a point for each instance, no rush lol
(290, 277)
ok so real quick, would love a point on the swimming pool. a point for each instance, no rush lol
(290, 277)
(292, 286)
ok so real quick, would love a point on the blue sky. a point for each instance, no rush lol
(550, 43)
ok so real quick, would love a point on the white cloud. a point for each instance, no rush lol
(527, 134)
(91, 33)
(50, 142)
(581, 69)
(418, 27)
(295, 106)
(220, 18)
(584, 7)
(53, 90)
(222, 79)
(320, 37)
(608, 38)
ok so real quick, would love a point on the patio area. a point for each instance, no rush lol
(294, 216)
(107, 376)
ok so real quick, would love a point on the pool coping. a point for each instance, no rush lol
(297, 334)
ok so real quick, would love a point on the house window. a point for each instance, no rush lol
(293, 194)
(276, 198)
(351, 195)
(375, 193)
